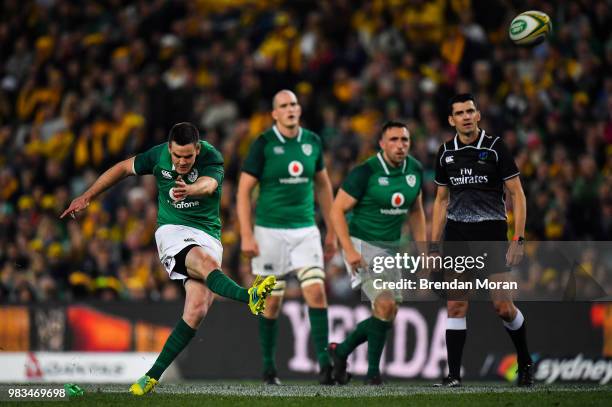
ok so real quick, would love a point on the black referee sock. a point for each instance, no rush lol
(518, 333)
(456, 333)
(455, 339)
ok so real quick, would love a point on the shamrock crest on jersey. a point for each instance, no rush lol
(411, 180)
(193, 175)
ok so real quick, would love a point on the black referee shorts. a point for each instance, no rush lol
(486, 231)
(487, 238)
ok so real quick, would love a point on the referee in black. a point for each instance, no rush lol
(471, 172)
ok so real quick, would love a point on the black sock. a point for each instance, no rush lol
(519, 339)
(517, 331)
(455, 339)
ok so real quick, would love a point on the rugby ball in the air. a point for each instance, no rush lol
(530, 27)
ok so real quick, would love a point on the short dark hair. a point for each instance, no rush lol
(390, 125)
(460, 98)
(184, 133)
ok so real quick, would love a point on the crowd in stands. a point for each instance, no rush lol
(85, 84)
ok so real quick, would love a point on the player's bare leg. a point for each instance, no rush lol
(198, 300)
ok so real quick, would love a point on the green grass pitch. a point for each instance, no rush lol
(420, 394)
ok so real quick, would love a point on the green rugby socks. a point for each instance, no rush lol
(221, 284)
(319, 331)
(355, 338)
(373, 330)
(268, 331)
(377, 336)
(176, 342)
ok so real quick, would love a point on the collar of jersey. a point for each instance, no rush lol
(456, 140)
(283, 138)
(383, 163)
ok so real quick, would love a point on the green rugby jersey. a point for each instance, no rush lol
(200, 213)
(285, 168)
(384, 197)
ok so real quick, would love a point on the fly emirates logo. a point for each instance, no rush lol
(466, 178)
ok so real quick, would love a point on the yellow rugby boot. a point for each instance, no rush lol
(259, 291)
(143, 386)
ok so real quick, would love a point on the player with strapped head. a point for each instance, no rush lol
(472, 170)
(287, 163)
(189, 174)
(381, 193)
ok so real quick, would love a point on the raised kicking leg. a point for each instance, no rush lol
(201, 265)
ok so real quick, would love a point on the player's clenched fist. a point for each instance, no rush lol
(330, 247)
(355, 259)
(249, 246)
(181, 190)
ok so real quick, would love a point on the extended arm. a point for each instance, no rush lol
(416, 220)
(519, 205)
(243, 206)
(325, 197)
(109, 178)
(343, 204)
(439, 213)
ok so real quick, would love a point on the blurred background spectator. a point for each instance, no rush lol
(84, 84)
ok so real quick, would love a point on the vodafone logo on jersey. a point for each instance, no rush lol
(397, 199)
(295, 168)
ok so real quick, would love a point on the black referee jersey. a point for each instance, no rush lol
(475, 175)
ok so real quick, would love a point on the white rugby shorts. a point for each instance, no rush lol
(171, 239)
(284, 250)
(364, 279)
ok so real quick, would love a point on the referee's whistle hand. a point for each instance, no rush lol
(515, 254)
